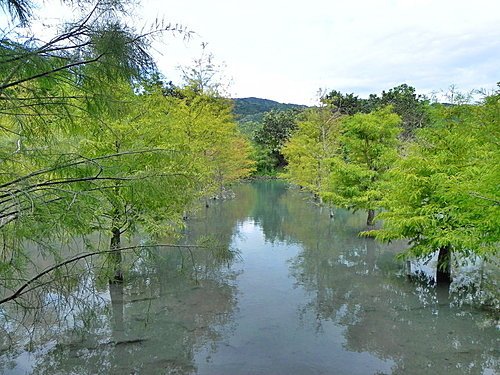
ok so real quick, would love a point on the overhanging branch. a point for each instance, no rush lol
(22, 289)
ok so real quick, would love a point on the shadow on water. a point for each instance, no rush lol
(306, 296)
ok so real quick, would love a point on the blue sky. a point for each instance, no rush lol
(287, 50)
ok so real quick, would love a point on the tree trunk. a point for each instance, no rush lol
(443, 272)
(116, 257)
(371, 216)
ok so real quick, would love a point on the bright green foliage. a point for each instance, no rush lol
(144, 182)
(369, 147)
(85, 148)
(58, 100)
(311, 150)
(444, 192)
(221, 154)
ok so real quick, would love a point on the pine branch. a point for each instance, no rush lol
(476, 195)
(83, 160)
(47, 73)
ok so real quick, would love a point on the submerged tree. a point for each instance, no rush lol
(443, 194)
(87, 147)
(312, 149)
(368, 148)
(56, 98)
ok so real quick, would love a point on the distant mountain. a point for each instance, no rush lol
(253, 109)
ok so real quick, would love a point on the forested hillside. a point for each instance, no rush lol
(253, 109)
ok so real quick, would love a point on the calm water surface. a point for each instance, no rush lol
(305, 296)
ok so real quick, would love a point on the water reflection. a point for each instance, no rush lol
(308, 296)
(354, 283)
(173, 303)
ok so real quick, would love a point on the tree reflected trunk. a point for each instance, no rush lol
(443, 271)
(116, 294)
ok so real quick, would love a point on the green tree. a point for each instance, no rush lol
(443, 194)
(368, 148)
(83, 150)
(221, 154)
(276, 129)
(56, 99)
(412, 108)
(311, 149)
(346, 104)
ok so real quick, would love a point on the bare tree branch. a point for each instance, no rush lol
(22, 289)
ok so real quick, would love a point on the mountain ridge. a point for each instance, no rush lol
(253, 108)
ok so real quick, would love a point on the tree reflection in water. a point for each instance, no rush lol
(354, 282)
(177, 304)
(173, 303)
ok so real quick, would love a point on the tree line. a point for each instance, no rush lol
(427, 171)
(94, 139)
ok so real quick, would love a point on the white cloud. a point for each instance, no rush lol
(286, 50)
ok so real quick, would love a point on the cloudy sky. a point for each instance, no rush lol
(288, 50)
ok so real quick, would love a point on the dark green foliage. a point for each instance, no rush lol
(253, 109)
(346, 104)
(265, 162)
(262, 121)
(412, 108)
(276, 129)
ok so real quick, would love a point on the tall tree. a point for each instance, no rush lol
(55, 97)
(84, 150)
(346, 104)
(412, 108)
(369, 147)
(443, 193)
(312, 148)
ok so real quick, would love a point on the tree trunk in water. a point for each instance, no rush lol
(371, 216)
(116, 257)
(443, 272)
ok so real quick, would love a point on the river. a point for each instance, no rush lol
(304, 294)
